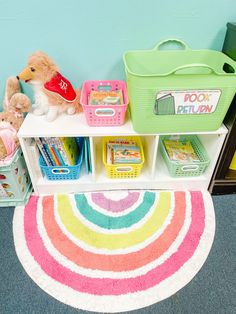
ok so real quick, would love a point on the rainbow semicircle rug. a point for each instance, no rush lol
(114, 251)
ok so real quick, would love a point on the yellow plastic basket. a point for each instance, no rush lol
(122, 170)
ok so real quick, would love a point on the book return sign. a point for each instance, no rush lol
(186, 102)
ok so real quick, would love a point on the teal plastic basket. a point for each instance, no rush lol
(178, 169)
(15, 182)
(64, 172)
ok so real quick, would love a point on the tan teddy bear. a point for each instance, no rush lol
(15, 105)
(15, 102)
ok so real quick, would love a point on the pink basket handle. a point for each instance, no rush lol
(171, 41)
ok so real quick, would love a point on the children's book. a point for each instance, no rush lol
(54, 156)
(123, 151)
(43, 151)
(126, 154)
(48, 151)
(180, 151)
(60, 151)
(105, 97)
(58, 155)
(87, 155)
(71, 149)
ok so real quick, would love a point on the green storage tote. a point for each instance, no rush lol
(15, 184)
(178, 90)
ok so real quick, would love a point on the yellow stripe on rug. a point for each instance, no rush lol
(113, 241)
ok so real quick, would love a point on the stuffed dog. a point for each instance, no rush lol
(53, 92)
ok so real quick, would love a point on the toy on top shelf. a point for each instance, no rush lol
(8, 143)
(53, 92)
(15, 105)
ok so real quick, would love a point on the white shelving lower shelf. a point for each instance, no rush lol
(154, 174)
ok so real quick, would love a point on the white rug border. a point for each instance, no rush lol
(122, 303)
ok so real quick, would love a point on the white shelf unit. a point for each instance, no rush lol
(154, 174)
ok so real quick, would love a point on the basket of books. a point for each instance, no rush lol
(104, 102)
(61, 157)
(184, 155)
(123, 157)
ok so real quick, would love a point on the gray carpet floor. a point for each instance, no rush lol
(212, 290)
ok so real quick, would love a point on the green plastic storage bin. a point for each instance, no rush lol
(178, 90)
(15, 184)
(229, 46)
(178, 169)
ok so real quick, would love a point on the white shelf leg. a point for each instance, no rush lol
(30, 162)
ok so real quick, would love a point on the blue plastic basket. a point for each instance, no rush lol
(64, 172)
(15, 184)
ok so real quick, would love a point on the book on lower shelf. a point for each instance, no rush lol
(123, 152)
(58, 151)
(180, 151)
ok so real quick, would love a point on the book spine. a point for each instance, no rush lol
(61, 161)
(51, 146)
(52, 142)
(46, 147)
(43, 151)
(56, 160)
(58, 143)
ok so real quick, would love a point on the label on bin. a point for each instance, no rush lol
(186, 102)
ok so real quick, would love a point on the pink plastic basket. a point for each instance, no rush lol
(104, 115)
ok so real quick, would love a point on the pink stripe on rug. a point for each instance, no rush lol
(107, 286)
(115, 206)
(115, 262)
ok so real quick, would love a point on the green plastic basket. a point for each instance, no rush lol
(15, 184)
(179, 90)
(177, 169)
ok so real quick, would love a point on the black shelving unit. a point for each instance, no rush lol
(224, 180)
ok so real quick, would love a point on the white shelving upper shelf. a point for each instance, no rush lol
(76, 125)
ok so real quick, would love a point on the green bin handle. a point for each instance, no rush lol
(193, 65)
(165, 41)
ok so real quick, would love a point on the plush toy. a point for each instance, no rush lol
(8, 142)
(15, 105)
(53, 92)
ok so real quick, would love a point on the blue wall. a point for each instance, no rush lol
(88, 38)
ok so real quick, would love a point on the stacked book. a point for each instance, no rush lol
(105, 97)
(58, 151)
(123, 151)
(181, 151)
